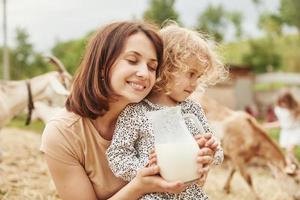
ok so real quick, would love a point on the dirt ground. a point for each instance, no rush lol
(24, 175)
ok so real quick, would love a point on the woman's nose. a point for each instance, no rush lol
(143, 71)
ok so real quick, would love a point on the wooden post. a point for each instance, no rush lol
(6, 74)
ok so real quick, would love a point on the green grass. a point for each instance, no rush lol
(19, 122)
(274, 134)
(260, 87)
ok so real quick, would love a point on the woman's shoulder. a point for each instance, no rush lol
(62, 138)
(64, 118)
(135, 108)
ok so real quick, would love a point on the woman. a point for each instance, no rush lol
(119, 67)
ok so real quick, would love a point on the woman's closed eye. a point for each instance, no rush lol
(133, 61)
(152, 66)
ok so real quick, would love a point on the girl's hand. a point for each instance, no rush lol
(211, 142)
(148, 181)
(205, 158)
(207, 140)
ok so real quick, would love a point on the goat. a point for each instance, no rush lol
(44, 111)
(16, 95)
(243, 139)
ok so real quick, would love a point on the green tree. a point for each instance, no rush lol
(236, 18)
(215, 19)
(262, 55)
(24, 61)
(161, 10)
(1, 63)
(271, 24)
(289, 11)
(70, 53)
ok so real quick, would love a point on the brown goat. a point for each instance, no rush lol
(243, 139)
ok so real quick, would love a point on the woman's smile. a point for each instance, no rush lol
(138, 86)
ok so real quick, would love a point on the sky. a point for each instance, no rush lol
(49, 21)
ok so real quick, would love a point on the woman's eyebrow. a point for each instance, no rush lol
(133, 52)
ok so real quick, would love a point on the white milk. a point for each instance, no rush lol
(178, 161)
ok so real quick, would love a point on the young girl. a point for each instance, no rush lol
(188, 60)
(287, 110)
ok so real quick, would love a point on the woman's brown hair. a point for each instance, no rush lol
(91, 87)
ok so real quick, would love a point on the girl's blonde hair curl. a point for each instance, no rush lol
(181, 44)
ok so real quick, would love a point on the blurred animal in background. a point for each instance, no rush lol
(44, 111)
(243, 139)
(15, 96)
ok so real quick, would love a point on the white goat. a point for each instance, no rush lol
(15, 96)
(44, 111)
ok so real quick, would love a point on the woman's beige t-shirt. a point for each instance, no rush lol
(73, 140)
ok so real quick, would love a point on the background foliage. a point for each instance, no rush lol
(271, 52)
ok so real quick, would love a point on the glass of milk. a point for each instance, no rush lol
(175, 146)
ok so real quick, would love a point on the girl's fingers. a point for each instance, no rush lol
(214, 145)
(152, 158)
(211, 141)
(152, 155)
(152, 161)
(201, 142)
(207, 135)
(206, 152)
(205, 159)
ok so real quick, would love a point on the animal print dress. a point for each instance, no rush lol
(133, 139)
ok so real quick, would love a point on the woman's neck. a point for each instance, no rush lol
(161, 98)
(105, 125)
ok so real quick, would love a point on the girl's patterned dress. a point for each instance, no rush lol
(133, 139)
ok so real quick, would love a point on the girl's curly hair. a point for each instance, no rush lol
(181, 44)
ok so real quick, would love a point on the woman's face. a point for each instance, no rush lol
(133, 74)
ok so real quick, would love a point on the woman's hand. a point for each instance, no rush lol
(148, 180)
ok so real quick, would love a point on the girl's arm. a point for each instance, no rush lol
(213, 142)
(123, 158)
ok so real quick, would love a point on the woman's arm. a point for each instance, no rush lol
(71, 181)
(147, 181)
